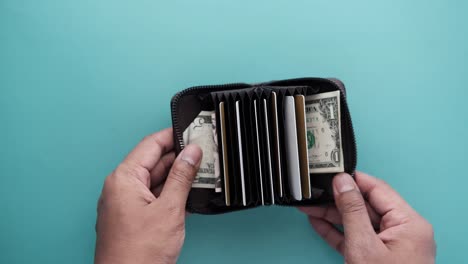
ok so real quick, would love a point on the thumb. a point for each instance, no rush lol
(351, 205)
(180, 178)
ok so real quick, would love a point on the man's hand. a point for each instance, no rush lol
(141, 214)
(402, 235)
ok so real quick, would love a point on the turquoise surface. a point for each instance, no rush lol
(81, 82)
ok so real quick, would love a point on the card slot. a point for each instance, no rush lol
(301, 163)
(244, 149)
(217, 135)
(299, 90)
(292, 188)
(223, 150)
(228, 150)
(275, 152)
(264, 152)
(200, 196)
(234, 179)
(259, 94)
(250, 195)
(312, 186)
(269, 149)
(257, 150)
(302, 90)
(249, 151)
(286, 198)
(269, 162)
(321, 182)
(240, 150)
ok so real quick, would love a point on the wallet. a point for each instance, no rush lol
(271, 143)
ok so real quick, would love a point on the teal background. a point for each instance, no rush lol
(81, 82)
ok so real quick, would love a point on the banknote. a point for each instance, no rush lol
(324, 132)
(200, 132)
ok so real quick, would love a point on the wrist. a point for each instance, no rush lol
(125, 254)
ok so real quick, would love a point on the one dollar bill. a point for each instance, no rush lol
(324, 132)
(202, 133)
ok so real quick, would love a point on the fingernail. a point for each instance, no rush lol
(191, 154)
(344, 183)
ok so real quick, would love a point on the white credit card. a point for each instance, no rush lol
(292, 151)
(259, 153)
(241, 156)
(269, 152)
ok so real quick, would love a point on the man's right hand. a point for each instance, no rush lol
(402, 235)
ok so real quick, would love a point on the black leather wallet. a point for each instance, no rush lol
(253, 144)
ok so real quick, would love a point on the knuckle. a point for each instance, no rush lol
(122, 175)
(156, 138)
(128, 170)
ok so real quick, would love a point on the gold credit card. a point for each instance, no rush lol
(301, 128)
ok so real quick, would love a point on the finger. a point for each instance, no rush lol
(330, 214)
(380, 195)
(328, 232)
(148, 152)
(351, 206)
(180, 178)
(160, 171)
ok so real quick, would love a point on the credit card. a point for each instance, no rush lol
(301, 128)
(292, 151)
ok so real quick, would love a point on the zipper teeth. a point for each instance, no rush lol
(353, 138)
(176, 98)
(350, 127)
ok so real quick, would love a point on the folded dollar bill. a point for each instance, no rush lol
(202, 132)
